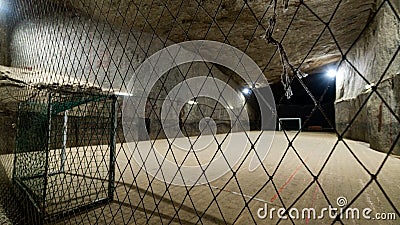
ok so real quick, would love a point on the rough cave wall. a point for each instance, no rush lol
(102, 55)
(4, 38)
(7, 117)
(7, 132)
(371, 56)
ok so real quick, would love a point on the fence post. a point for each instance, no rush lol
(47, 149)
(113, 132)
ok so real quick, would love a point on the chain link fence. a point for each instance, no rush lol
(106, 120)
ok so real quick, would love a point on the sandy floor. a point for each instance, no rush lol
(237, 197)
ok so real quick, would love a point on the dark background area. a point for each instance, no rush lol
(301, 105)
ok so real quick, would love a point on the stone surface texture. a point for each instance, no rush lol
(242, 25)
(100, 57)
(372, 59)
(5, 30)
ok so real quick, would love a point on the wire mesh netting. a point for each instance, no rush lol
(201, 112)
(57, 178)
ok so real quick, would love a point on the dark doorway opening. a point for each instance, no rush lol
(301, 104)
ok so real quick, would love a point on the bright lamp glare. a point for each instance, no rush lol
(123, 94)
(246, 91)
(331, 73)
(369, 86)
(191, 102)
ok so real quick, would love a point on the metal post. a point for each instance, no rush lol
(64, 146)
(16, 141)
(113, 132)
(46, 167)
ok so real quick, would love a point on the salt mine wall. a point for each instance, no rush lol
(106, 57)
(372, 58)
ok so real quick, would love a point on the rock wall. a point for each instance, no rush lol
(7, 131)
(242, 24)
(4, 35)
(105, 57)
(7, 117)
(79, 48)
(371, 57)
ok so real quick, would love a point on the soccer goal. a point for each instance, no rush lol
(65, 152)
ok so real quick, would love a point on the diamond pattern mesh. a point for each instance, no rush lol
(81, 159)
